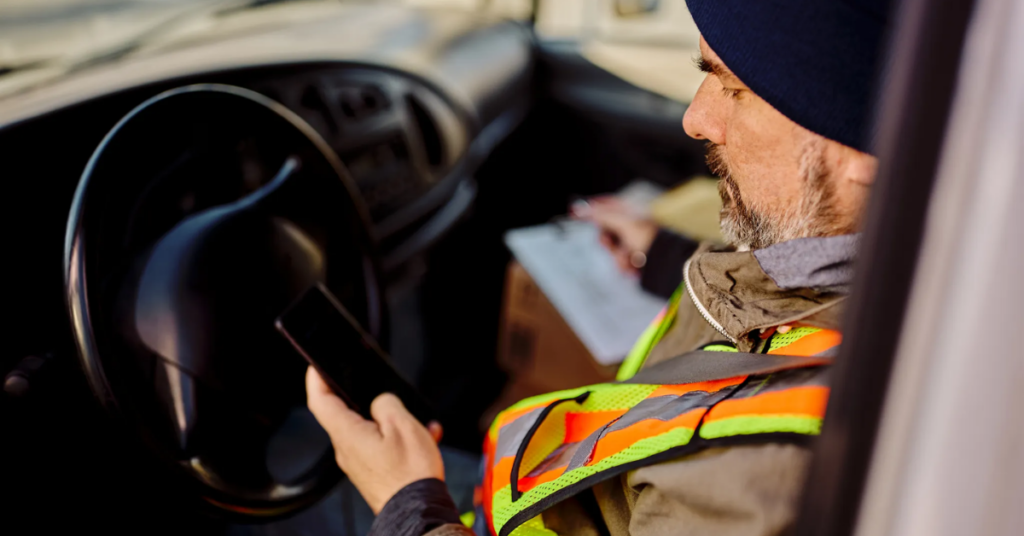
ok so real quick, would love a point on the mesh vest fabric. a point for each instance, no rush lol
(566, 441)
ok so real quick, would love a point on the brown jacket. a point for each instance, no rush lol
(737, 491)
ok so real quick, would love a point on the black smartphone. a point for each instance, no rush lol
(347, 358)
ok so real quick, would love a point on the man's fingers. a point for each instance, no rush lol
(390, 414)
(387, 408)
(436, 431)
(623, 263)
(606, 240)
(607, 202)
(610, 219)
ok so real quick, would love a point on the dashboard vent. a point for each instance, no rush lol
(384, 175)
(359, 102)
(432, 145)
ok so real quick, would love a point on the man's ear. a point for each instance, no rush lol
(860, 167)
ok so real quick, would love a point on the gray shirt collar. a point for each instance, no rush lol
(818, 263)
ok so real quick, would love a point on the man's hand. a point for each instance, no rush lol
(381, 456)
(623, 233)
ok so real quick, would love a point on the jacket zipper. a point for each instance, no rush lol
(700, 307)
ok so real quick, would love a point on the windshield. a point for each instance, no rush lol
(35, 33)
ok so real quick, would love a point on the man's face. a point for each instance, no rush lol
(779, 181)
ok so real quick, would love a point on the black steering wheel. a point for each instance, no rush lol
(202, 214)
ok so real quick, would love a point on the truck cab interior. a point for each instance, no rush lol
(176, 177)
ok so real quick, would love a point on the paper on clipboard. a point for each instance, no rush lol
(606, 309)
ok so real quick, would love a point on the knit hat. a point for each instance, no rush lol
(815, 61)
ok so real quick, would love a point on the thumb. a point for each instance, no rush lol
(326, 406)
(315, 384)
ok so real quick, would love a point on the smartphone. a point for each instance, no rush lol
(347, 358)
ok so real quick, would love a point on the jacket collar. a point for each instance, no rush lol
(800, 280)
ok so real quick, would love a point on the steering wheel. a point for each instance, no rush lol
(201, 215)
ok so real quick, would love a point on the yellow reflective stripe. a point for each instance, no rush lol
(540, 400)
(636, 357)
(503, 508)
(533, 527)
(761, 424)
(651, 336)
(720, 348)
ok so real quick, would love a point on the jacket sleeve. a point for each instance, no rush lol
(737, 491)
(665, 257)
(423, 507)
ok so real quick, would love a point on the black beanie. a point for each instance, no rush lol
(815, 61)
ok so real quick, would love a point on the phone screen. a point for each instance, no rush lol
(347, 358)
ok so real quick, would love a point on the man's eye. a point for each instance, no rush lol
(731, 93)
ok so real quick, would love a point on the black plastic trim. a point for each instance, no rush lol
(911, 122)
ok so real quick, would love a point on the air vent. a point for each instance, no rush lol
(432, 144)
(384, 175)
(366, 160)
(359, 102)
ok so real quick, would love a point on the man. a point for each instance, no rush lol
(687, 442)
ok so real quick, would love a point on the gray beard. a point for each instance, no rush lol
(748, 227)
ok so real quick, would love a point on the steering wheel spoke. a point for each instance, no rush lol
(278, 187)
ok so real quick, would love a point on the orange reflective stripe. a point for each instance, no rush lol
(527, 483)
(619, 440)
(710, 387)
(580, 425)
(811, 344)
(490, 444)
(500, 476)
(809, 401)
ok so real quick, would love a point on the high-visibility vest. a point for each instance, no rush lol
(547, 448)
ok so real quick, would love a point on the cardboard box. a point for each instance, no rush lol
(537, 348)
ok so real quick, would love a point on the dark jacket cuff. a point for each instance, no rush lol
(415, 510)
(663, 272)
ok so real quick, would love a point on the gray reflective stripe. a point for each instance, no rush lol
(703, 366)
(820, 263)
(559, 458)
(585, 447)
(668, 407)
(831, 352)
(513, 433)
(645, 409)
(785, 379)
(662, 408)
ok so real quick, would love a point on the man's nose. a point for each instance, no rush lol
(702, 120)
